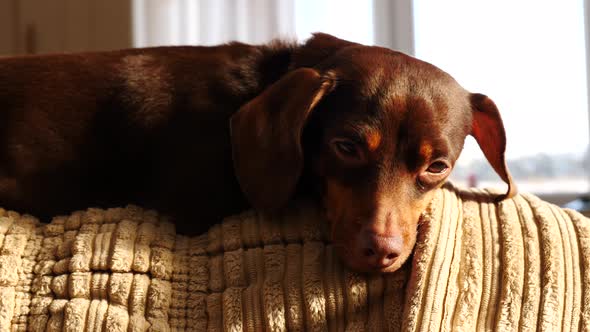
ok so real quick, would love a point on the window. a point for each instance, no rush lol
(347, 19)
(529, 57)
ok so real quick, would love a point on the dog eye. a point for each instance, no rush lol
(433, 175)
(346, 149)
(437, 167)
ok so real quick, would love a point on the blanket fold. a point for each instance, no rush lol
(521, 264)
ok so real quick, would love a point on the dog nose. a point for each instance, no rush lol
(380, 251)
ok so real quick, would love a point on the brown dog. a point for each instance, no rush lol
(367, 131)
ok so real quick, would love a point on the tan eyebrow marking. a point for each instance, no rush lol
(373, 140)
(426, 151)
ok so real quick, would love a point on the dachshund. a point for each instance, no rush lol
(201, 133)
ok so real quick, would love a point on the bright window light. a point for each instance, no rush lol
(347, 19)
(529, 57)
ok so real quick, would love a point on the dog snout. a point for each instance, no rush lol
(380, 251)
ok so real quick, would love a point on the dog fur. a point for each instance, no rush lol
(201, 133)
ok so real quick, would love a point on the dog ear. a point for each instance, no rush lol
(266, 137)
(488, 130)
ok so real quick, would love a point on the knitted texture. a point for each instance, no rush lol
(521, 264)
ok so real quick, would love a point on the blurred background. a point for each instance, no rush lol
(529, 56)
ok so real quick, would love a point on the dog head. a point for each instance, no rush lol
(376, 130)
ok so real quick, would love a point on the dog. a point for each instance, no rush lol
(201, 133)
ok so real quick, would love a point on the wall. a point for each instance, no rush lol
(33, 27)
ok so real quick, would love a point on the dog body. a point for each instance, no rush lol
(147, 126)
(204, 132)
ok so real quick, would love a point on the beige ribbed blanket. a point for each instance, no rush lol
(522, 264)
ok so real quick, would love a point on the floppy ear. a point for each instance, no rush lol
(488, 130)
(266, 137)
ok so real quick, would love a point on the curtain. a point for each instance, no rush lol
(393, 24)
(209, 22)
